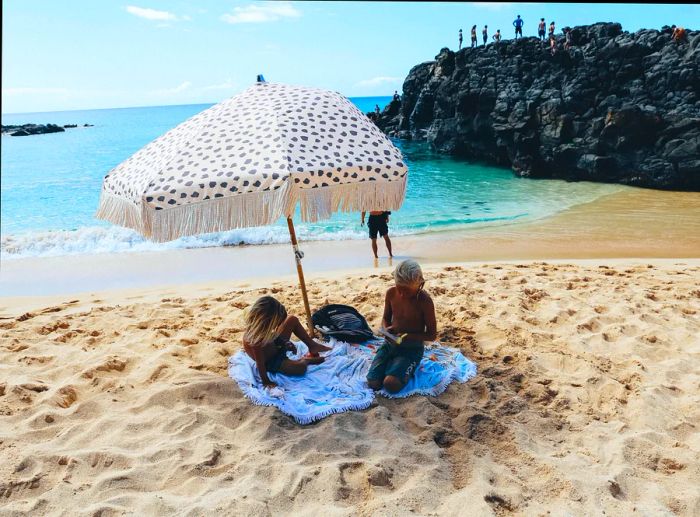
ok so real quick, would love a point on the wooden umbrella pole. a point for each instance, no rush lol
(298, 255)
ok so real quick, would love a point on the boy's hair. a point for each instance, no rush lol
(262, 320)
(408, 273)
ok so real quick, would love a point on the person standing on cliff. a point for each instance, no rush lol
(485, 34)
(378, 223)
(396, 96)
(497, 37)
(678, 34)
(518, 24)
(473, 36)
(567, 41)
(377, 111)
(552, 43)
(460, 39)
(541, 29)
(551, 30)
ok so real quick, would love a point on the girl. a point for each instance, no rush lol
(266, 340)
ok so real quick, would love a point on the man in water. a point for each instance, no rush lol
(485, 34)
(518, 24)
(378, 223)
(541, 29)
(460, 39)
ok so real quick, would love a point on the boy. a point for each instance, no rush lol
(378, 223)
(541, 28)
(409, 313)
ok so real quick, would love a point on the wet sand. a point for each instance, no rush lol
(635, 223)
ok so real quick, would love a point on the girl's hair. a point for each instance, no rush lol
(262, 320)
(408, 273)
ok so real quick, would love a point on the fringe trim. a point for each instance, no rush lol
(250, 393)
(212, 215)
(217, 215)
(321, 203)
(120, 211)
(250, 210)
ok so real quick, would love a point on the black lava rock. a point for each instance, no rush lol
(616, 107)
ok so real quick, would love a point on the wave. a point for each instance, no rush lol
(114, 239)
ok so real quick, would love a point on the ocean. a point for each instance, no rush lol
(50, 187)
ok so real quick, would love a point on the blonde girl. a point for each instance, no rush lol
(266, 340)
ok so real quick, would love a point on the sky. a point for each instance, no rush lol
(89, 54)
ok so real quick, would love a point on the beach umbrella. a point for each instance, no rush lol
(250, 160)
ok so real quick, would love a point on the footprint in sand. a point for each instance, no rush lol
(157, 372)
(66, 396)
(48, 329)
(112, 364)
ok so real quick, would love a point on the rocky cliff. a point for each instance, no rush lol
(615, 107)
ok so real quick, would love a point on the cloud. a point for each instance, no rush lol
(261, 13)
(379, 81)
(150, 14)
(185, 85)
(226, 85)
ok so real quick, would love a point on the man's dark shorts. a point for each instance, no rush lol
(401, 361)
(377, 225)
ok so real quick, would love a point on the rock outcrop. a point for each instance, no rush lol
(37, 129)
(615, 107)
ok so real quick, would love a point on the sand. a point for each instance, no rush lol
(587, 402)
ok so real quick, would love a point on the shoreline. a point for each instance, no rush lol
(12, 307)
(632, 224)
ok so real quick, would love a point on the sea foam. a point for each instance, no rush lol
(97, 239)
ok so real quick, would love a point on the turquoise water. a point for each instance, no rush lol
(51, 186)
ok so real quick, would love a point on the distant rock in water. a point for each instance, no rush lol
(37, 129)
(616, 107)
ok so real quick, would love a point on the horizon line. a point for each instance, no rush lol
(150, 106)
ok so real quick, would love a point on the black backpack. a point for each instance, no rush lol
(342, 322)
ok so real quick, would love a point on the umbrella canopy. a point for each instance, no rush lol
(249, 160)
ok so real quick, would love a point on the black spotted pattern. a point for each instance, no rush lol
(257, 141)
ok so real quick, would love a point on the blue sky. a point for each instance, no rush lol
(86, 54)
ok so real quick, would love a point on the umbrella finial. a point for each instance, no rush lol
(261, 79)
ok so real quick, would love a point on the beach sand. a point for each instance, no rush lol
(587, 401)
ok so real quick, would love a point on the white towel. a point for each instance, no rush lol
(339, 384)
